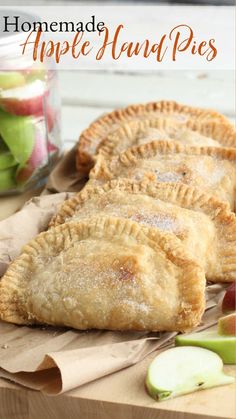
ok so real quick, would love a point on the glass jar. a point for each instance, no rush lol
(29, 117)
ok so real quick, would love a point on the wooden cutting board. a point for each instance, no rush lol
(119, 396)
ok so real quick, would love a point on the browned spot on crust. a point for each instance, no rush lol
(125, 275)
(127, 268)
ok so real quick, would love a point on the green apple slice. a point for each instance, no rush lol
(224, 346)
(10, 79)
(39, 73)
(3, 146)
(18, 133)
(184, 370)
(7, 160)
(7, 179)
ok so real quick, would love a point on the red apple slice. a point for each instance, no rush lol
(227, 325)
(27, 100)
(51, 117)
(229, 300)
(51, 147)
(41, 153)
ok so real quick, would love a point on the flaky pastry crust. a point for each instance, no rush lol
(91, 137)
(206, 225)
(211, 169)
(105, 273)
(141, 131)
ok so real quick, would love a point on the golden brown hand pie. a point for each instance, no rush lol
(142, 131)
(212, 169)
(91, 137)
(205, 225)
(105, 273)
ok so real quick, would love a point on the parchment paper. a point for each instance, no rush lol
(57, 360)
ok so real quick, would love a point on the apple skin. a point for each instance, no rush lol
(41, 154)
(21, 128)
(51, 117)
(52, 148)
(7, 179)
(157, 394)
(25, 107)
(227, 325)
(30, 99)
(224, 346)
(7, 160)
(229, 300)
(38, 157)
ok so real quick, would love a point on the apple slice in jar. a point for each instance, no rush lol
(38, 157)
(29, 99)
(11, 79)
(38, 73)
(184, 370)
(6, 157)
(7, 179)
(7, 160)
(52, 148)
(51, 118)
(18, 133)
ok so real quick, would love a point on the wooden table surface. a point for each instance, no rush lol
(85, 96)
(119, 396)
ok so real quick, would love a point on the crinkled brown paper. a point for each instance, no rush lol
(57, 360)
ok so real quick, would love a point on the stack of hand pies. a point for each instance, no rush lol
(134, 248)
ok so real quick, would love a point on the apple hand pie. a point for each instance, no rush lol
(143, 131)
(211, 169)
(91, 137)
(206, 226)
(105, 273)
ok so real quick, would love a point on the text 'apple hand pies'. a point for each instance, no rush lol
(206, 226)
(142, 131)
(212, 169)
(91, 137)
(105, 273)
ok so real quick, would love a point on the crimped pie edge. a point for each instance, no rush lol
(149, 150)
(188, 197)
(98, 129)
(191, 282)
(222, 132)
(180, 194)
